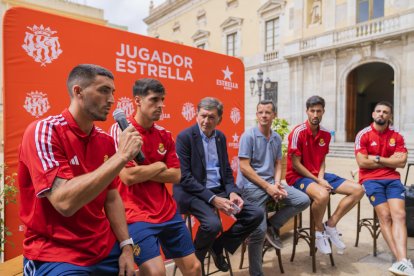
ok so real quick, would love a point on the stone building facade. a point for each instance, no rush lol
(353, 53)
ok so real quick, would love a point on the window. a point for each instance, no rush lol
(232, 36)
(231, 44)
(369, 9)
(200, 39)
(272, 35)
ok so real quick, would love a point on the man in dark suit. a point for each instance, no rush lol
(207, 182)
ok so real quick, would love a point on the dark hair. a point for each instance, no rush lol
(84, 75)
(210, 103)
(142, 87)
(315, 100)
(386, 103)
(266, 102)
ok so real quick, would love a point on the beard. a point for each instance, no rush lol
(315, 122)
(380, 121)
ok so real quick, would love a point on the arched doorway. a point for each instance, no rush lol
(366, 85)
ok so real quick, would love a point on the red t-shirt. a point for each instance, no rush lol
(150, 201)
(371, 142)
(56, 147)
(312, 150)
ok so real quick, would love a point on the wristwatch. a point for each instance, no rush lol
(129, 241)
(377, 159)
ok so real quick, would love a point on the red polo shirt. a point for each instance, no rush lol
(150, 201)
(57, 147)
(312, 150)
(371, 142)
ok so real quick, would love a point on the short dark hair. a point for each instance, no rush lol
(210, 103)
(142, 87)
(386, 103)
(315, 100)
(84, 75)
(266, 102)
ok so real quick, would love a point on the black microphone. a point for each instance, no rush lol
(121, 119)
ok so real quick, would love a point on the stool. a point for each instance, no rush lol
(308, 234)
(372, 224)
(187, 218)
(266, 246)
(226, 254)
(408, 170)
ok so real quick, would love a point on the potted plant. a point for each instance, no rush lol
(7, 195)
(281, 127)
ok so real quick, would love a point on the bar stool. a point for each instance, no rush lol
(226, 253)
(408, 170)
(266, 246)
(308, 234)
(187, 218)
(372, 224)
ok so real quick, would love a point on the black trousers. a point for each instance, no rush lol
(248, 220)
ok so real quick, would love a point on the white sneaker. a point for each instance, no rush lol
(403, 268)
(334, 236)
(408, 262)
(322, 243)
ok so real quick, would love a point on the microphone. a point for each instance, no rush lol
(121, 119)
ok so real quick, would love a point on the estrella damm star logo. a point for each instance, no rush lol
(321, 142)
(392, 142)
(302, 185)
(161, 149)
(136, 250)
(106, 157)
(372, 198)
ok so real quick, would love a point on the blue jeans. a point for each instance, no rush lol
(294, 203)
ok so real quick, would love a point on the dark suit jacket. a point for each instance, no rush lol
(190, 150)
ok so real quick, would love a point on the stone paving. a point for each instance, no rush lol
(354, 261)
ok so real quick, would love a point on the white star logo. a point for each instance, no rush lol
(227, 73)
(235, 138)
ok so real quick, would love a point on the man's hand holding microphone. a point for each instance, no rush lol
(130, 141)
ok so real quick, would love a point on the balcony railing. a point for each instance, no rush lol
(269, 56)
(373, 29)
(368, 29)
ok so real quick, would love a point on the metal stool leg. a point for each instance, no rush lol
(295, 237)
(243, 250)
(308, 234)
(226, 254)
(358, 223)
(329, 215)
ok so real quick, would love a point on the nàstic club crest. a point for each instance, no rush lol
(126, 105)
(36, 103)
(41, 45)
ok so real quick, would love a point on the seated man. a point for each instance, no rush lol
(67, 177)
(260, 154)
(307, 149)
(379, 150)
(207, 182)
(151, 211)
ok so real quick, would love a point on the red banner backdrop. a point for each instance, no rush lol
(40, 49)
